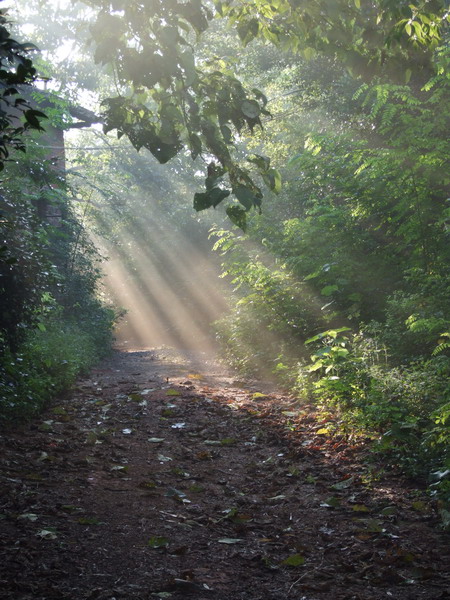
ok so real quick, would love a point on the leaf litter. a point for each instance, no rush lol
(272, 509)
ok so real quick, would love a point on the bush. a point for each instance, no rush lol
(49, 361)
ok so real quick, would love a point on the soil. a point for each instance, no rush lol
(162, 476)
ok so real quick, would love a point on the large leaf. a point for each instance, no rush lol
(245, 196)
(213, 197)
(248, 30)
(273, 180)
(251, 109)
(238, 216)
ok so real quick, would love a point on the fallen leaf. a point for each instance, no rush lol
(158, 542)
(228, 441)
(360, 508)
(147, 485)
(46, 426)
(296, 560)
(163, 458)
(196, 489)
(342, 485)
(47, 534)
(89, 521)
(155, 440)
(203, 455)
(389, 510)
(331, 502)
(28, 516)
(34, 477)
(311, 479)
(374, 526)
(91, 438)
(230, 540)
(177, 495)
(172, 392)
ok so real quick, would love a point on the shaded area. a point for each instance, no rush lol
(148, 483)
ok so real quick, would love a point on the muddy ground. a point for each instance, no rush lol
(161, 476)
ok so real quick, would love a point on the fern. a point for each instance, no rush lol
(443, 345)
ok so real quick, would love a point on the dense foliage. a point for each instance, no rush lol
(341, 285)
(170, 98)
(16, 69)
(52, 324)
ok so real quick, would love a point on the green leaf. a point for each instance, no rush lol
(419, 505)
(273, 180)
(262, 162)
(89, 521)
(227, 134)
(195, 144)
(238, 216)
(174, 493)
(331, 502)
(228, 441)
(360, 508)
(248, 30)
(374, 526)
(29, 516)
(47, 534)
(211, 198)
(158, 542)
(328, 290)
(32, 117)
(187, 61)
(342, 485)
(245, 196)
(172, 392)
(388, 511)
(323, 431)
(251, 109)
(163, 458)
(295, 560)
(295, 159)
(309, 53)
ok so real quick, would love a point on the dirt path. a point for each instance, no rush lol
(162, 478)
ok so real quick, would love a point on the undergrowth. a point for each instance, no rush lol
(48, 362)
